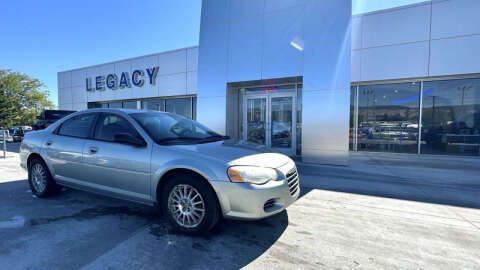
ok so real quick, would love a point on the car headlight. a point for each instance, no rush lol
(252, 174)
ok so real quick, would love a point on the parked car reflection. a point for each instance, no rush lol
(256, 132)
(281, 134)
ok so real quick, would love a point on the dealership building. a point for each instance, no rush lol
(306, 78)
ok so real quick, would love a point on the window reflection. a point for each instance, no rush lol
(115, 105)
(130, 104)
(352, 117)
(180, 106)
(388, 117)
(451, 117)
(256, 120)
(299, 119)
(93, 105)
(154, 104)
(185, 106)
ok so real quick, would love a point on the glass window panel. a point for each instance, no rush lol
(92, 105)
(256, 120)
(388, 117)
(111, 124)
(299, 120)
(154, 105)
(194, 108)
(180, 106)
(451, 117)
(352, 116)
(132, 104)
(115, 105)
(281, 122)
(78, 126)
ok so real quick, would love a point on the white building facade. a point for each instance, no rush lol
(305, 78)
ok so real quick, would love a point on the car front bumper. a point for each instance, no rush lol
(250, 201)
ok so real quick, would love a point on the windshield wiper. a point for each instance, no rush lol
(212, 138)
(215, 138)
(218, 136)
(178, 139)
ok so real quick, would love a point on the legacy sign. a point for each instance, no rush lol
(113, 81)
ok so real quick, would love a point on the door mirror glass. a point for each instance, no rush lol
(128, 139)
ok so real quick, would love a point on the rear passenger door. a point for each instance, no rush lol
(119, 168)
(64, 147)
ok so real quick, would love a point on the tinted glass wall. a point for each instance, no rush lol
(185, 106)
(129, 104)
(353, 91)
(154, 104)
(299, 119)
(389, 115)
(451, 117)
(181, 106)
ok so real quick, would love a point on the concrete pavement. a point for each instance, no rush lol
(381, 212)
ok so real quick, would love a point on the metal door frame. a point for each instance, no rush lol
(268, 125)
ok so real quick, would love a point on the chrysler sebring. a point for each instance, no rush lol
(196, 176)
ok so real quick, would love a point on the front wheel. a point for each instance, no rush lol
(190, 205)
(40, 181)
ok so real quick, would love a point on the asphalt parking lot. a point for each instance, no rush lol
(380, 212)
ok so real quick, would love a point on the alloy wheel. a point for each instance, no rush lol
(186, 206)
(39, 177)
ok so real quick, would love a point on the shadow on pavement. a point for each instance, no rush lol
(81, 228)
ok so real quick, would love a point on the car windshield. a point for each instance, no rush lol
(166, 128)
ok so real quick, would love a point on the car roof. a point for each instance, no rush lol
(126, 111)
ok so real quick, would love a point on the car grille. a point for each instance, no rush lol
(292, 179)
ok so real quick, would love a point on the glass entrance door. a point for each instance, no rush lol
(256, 120)
(269, 120)
(281, 128)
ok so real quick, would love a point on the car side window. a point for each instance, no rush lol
(110, 124)
(78, 126)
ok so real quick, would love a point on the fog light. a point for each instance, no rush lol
(269, 204)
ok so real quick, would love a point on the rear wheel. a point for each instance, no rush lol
(189, 204)
(40, 181)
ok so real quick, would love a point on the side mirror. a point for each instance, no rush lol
(38, 117)
(128, 139)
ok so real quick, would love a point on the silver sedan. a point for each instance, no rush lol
(195, 175)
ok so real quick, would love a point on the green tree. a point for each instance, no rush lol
(20, 99)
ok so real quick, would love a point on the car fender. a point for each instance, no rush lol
(185, 163)
(35, 146)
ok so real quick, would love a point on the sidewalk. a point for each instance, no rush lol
(10, 169)
(433, 179)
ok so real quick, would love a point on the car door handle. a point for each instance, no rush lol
(48, 143)
(93, 150)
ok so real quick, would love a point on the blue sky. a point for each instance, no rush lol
(40, 38)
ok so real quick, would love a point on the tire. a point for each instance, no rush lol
(188, 208)
(40, 180)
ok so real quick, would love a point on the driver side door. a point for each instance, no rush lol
(118, 168)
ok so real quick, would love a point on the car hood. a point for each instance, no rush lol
(237, 154)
